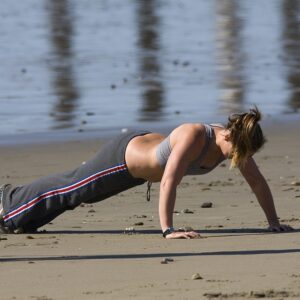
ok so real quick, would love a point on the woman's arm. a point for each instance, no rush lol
(185, 141)
(261, 189)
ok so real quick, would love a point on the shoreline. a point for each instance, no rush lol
(268, 123)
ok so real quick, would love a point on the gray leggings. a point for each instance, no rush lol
(36, 204)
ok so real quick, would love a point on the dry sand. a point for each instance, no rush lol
(85, 254)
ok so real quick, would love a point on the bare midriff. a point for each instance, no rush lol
(141, 158)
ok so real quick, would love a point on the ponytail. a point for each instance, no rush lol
(245, 134)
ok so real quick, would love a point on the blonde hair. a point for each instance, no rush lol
(246, 135)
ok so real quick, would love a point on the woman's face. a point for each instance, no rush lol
(228, 153)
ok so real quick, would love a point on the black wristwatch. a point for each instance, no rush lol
(168, 231)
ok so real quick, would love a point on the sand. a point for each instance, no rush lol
(85, 254)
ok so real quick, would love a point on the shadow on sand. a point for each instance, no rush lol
(146, 255)
(223, 231)
(219, 232)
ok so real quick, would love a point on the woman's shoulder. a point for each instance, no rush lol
(189, 138)
(189, 131)
(190, 128)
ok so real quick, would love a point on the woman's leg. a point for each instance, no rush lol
(36, 204)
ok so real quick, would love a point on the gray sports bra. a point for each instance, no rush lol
(164, 150)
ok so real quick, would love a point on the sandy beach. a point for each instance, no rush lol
(114, 249)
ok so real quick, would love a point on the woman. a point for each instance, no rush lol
(136, 157)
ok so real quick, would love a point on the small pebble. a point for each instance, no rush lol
(129, 230)
(140, 216)
(206, 189)
(295, 183)
(167, 260)
(196, 276)
(139, 224)
(258, 294)
(212, 295)
(206, 205)
(187, 211)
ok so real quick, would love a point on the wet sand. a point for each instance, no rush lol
(85, 254)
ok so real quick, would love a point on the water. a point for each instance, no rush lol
(71, 67)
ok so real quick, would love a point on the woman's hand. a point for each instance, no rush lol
(183, 235)
(280, 228)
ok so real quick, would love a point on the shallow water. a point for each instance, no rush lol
(70, 66)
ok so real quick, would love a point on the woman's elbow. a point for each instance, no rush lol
(168, 183)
